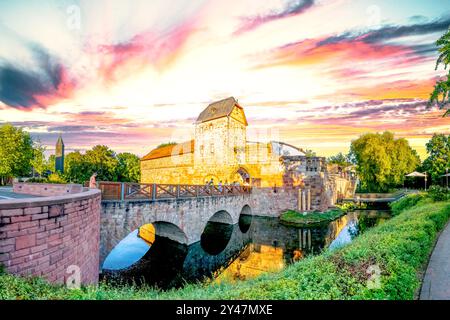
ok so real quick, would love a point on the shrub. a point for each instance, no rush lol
(56, 178)
(438, 193)
(405, 203)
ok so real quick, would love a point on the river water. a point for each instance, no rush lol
(231, 252)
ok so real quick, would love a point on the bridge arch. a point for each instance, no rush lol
(171, 231)
(221, 216)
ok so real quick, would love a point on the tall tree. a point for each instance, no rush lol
(16, 152)
(103, 161)
(50, 163)
(438, 160)
(76, 168)
(38, 161)
(441, 94)
(129, 169)
(382, 161)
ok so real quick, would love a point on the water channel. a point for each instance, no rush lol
(231, 252)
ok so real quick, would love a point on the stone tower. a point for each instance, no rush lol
(59, 155)
(221, 134)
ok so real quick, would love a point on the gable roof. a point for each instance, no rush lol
(170, 150)
(218, 109)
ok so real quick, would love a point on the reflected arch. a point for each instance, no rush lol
(137, 244)
(217, 233)
(245, 219)
(126, 252)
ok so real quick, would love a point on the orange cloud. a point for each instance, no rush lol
(419, 89)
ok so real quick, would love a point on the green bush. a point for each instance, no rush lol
(438, 193)
(398, 248)
(56, 178)
(406, 203)
(351, 206)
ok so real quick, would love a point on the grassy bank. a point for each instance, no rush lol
(398, 248)
(298, 219)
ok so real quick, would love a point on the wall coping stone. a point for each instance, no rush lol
(52, 200)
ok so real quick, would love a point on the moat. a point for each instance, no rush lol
(231, 252)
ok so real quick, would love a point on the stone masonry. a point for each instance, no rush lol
(45, 236)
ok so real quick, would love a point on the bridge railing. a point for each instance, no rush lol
(153, 191)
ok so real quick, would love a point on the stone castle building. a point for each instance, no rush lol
(221, 151)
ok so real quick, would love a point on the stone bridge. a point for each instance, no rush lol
(184, 219)
(181, 212)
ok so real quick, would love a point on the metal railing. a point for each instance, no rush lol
(154, 191)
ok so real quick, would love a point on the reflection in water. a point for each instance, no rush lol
(129, 251)
(245, 221)
(226, 253)
(255, 260)
(160, 266)
(215, 237)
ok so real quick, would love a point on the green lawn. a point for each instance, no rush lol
(399, 248)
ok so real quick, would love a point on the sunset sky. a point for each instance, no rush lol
(133, 74)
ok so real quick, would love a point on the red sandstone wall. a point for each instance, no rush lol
(44, 236)
(46, 189)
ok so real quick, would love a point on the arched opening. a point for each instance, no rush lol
(138, 243)
(153, 254)
(245, 219)
(241, 177)
(217, 233)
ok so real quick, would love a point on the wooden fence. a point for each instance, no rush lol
(153, 191)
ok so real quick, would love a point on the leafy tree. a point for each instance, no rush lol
(76, 168)
(339, 159)
(129, 169)
(438, 149)
(382, 161)
(441, 94)
(50, 163)
(16, 152)
(102, 160)
(38, 161)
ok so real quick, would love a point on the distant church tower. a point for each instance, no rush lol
(59, 155)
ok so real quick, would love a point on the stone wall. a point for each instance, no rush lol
(44, 236)
(272, 202)
(46, 189)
